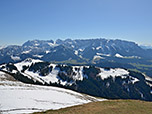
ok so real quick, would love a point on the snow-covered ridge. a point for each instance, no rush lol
(26, 62)
(58, 74)
(120, 56)
(52, 77)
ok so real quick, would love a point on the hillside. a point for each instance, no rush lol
(107, 107)
(17, 97)
(105, 82)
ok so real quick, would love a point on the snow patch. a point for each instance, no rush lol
(15, 58)
(27, 98)
(79, 73)
(97, 57)
(39, 56)
(118, 55)
(25, 52)
(112, 72)
(52, 44)
(76, 52)
(98, 48)
(47, 52)
(127, 57)
(118, 72)
(72, 46)
(93, 48)
(81, 50)
(103, 54)
(134, 80)
(37, 44)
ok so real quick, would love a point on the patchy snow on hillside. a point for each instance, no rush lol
(76, 52)
(51, 77)
(103, 54)
(52, 44)
(15, 58)
(117, 72)
(98, 48)
(26, 62)
(79, 73)
(126, 57)
(17, 97)
(112, 72)
(134, 80)
(47, 52)
(26, 52)
(39, 56)
(97, 57)
(81, 50)
(118, 55)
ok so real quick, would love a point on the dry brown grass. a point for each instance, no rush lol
(107, 107)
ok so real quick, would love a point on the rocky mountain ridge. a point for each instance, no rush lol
(89, 50)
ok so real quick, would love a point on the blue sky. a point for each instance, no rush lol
(22, 20)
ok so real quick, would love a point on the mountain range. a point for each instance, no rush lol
(80, 50)
(110, 53)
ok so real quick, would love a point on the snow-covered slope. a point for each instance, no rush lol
(55, 72)
(97, 81)
(17, 97)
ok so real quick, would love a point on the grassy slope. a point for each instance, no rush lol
(107, 107)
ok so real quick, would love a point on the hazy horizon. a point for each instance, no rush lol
(74, 39)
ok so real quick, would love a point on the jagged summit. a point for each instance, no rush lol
(81, 51)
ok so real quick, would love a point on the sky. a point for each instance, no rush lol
(22, 20)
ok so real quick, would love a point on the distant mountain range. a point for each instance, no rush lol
(80, 51)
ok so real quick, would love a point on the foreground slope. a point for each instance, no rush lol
(107, 107)
(17, 97)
